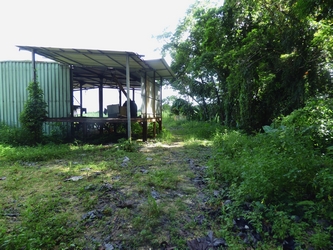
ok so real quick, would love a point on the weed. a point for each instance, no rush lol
(164, 178)
(154, 210)
(127, 145)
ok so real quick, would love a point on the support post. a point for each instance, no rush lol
(145, 123)
(146, 94)
(154, 99)
(34, 66)
(154, 96)
(100, 98)
(81, 99)
(129, 132)
(71, 91)
(161, 105)
(144, 130)
(101, 104)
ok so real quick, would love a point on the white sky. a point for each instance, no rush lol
(100, 24)
(128, 25)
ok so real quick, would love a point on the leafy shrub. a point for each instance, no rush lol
(59, 133)
(272, 167)
(150, 129)
(13, 136)
(127, 145)
(182, 107)
(314, 121)
(201, 130)
(136, 128)
(34, 112)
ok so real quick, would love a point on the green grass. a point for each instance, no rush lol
(279, 176)
(40, 210)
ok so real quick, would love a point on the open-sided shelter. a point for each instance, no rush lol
(100, 69)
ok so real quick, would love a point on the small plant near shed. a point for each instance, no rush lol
(127, 145)
(34, 112)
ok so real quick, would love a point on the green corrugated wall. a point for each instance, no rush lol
(54, 79)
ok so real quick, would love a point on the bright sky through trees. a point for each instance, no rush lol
(129, 25)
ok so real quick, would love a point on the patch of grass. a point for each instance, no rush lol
(38, 197)
(164, 179)
(32, 154)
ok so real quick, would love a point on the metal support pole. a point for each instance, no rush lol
(71, 91)
(145, 116)
(155, 98)
(129, 132)
(100, 98)
(161, 104)
(101, 125)
(34, 66)
(81, 99)
(146, 95)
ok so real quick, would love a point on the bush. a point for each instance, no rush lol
(272, 167)
(279, 177)
(34, 113)
(314, 121)
(13, 136)
(184, 108)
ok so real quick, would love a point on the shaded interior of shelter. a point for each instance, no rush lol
(96, 69)
(113, 125)
(88, 78)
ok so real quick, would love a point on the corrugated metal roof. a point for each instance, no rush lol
(161, 68)
(103, 58)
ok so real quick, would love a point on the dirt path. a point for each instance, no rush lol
(155, 200)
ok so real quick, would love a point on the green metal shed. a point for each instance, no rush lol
(15, 76)
(78, 69)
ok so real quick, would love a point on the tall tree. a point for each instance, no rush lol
(255, 60)
(196, 78)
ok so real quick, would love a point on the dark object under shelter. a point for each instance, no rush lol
(121, 70)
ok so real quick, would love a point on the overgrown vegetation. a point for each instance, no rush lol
(283, 177)
(271, 190)
(34, 113)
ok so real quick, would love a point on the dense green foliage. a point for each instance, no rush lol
(314, 122)
(283, 175)
(252, 61)
(34, 113)
(13, 136)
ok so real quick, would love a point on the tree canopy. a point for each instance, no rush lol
(252, 61)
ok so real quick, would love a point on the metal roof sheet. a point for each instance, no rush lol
(103, 58)
(161, 67)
